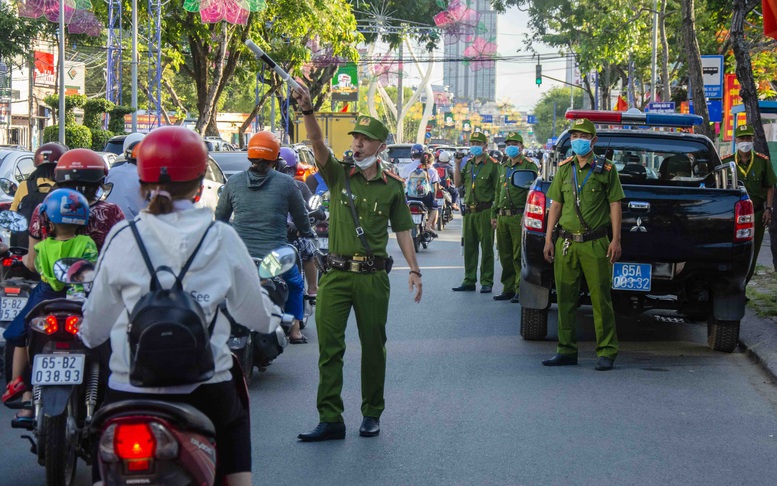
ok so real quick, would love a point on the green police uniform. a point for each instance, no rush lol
(587, 259)
(480, 177)
(377, 201)
(757, 174)
(509, 212)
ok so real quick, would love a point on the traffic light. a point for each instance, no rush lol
(539, 75)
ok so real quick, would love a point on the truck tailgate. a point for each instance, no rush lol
(674, 224)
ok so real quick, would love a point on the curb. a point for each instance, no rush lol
(758, 337)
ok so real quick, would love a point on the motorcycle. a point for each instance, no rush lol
(421, 237)
(65, 381)
(256, 349)
(158, 442)
(445, 208)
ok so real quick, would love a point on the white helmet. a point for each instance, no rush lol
(130, 142)
(444, 156)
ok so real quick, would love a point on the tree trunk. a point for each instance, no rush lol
(694, 67)
(744, 71)
(666, 87)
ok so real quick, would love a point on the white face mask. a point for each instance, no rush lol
(366, 162)
(745, 146)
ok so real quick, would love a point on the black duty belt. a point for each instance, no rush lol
(511, 212)
(356, 264)
(583, 237)
(476, 208)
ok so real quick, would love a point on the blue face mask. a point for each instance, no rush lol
(581, 146)
(476, 151)
(512, 151)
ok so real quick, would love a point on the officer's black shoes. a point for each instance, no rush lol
(464, 288)
(485, 289)
(604, 363)
(324, 431)
(515, 299)
(370, 427)
(504, 296)
(560, 360)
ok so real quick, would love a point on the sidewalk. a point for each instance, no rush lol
(758, 336)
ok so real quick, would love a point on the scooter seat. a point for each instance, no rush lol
(56, 305)
(183, 416)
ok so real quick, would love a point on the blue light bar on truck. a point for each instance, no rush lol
(636, 117)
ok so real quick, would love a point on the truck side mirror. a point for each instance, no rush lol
(523, 179)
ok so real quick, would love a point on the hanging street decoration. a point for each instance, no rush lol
(480, 54)
(77, 14)
(462, 24)
(232, 11)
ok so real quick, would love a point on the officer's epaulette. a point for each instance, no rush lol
(492, 159)
(607, 166)
(729, 156)
(393, 176)
(762, 155)
(565, 161)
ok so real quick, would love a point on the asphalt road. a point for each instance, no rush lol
(469, 403)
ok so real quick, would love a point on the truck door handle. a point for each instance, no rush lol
(639, 205)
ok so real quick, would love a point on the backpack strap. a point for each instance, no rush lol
(144, 253)
(194, 253)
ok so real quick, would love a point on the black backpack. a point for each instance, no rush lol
(26, 207)
(168, 335)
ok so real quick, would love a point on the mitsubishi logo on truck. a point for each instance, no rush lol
(639, 227)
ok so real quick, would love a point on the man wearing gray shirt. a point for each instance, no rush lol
(124, 178)
(260, 199)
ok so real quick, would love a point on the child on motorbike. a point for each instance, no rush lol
(171, 165)
(66, 213)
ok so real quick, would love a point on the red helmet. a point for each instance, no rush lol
(264, 146)
(80, 165)
(171, 154)
(48, 153)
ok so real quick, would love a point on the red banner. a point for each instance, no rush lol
(44, 69)
(770, 17)
(730, 98)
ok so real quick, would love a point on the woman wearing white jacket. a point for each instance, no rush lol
(171, 165)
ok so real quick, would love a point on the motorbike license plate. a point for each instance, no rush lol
(10, 307)
(58, 369)
(323, 243)
(441, 202)
(417, 218)
(632, 276)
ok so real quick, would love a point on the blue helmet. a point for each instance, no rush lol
(66, 206)
(416, 150)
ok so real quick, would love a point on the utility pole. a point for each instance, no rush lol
(62, 72)
(30, 101)
(654, 55)
(400, 88)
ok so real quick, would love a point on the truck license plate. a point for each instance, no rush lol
(323, 243)
(10, 307)
(58, 369)
(632, 276)
(417, 218)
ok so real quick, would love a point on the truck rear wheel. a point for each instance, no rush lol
(722, 335)
(534, 324)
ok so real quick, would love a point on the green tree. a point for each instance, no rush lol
(18, 33)
(544, 109)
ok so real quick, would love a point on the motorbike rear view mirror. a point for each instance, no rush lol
(314, 203)
(8, 186)
(12, 221)
(74, 271)
(278, 262)
(523, 179)
(104, 191)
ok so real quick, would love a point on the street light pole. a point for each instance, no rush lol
(653, 62)
(134, 63)
(61, 72)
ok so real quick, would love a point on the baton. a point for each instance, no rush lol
(261, 55)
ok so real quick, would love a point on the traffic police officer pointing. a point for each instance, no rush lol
(365, 197)
(756, 172)
(509, 206)
(480, 176)
(585, 194)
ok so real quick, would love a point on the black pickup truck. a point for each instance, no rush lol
(687, 232)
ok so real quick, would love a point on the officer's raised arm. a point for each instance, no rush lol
(320, 150)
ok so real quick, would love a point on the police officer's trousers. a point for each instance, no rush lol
(508, 243)
(368, 294)
(587, 259)
(478, 232)
(760, 229)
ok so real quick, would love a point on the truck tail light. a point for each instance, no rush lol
(534, 216)
(744, 221)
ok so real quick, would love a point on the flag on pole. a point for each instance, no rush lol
(621, 104)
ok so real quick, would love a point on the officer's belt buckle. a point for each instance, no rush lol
(355, 267)
(359, 258)
(578, 237)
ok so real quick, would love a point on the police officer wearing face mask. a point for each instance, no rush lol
(365, 197)
(510, 203)
(756, 172)
(586, 194)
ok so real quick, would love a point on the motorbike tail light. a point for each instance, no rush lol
(7, 262)
(12, 291)
(166, 443)
(62, 345)
(416, 209)
(47, 325)
(534, 216)
(744, 221)
(72, 323)
(134, 442)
